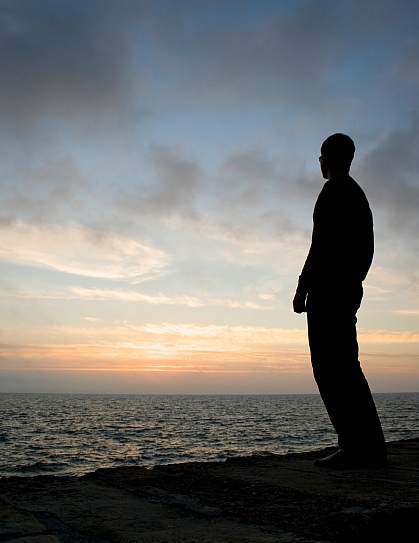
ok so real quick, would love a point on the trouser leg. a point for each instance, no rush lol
(341, 382)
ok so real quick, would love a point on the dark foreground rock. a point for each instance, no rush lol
(260, 499)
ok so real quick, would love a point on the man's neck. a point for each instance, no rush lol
(337, 175)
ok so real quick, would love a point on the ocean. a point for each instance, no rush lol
(72, 434)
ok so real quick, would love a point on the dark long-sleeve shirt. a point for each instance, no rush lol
(342, 244)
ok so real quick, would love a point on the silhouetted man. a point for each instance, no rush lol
(330, 290)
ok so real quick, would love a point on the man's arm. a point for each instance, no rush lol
(342, 243)
(304, 277)
(299, 302)
(314, 254)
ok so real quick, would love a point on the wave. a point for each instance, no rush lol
(41, 467)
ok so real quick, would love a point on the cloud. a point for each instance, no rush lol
(408, 68)
(188, 346)
(209, 337)
(118, 295)
(80, 251)
(407, 312)
(93, 60)
(69, 59)
(245, 354)
(253, 175)
(162, 347)
(172, 191)
(205, 337)
(285, 55)
(161, 299)
(278, 54)
(133, 296)
(390, 174)
(403, 337)
(88, 62)
(55, 188)
(242, 201)
(148, 357)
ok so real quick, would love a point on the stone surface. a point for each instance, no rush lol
(258, 499)
(16, 523)
(35, 539)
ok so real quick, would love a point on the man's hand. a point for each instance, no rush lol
(299, 303)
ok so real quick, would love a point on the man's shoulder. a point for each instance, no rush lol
(349, 187)
(358, 191)
(353, 183)
(342, 190)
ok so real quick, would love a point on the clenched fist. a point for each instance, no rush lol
(299, 303)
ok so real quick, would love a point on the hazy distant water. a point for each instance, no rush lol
(75, 434)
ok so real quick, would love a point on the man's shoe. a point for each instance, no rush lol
(335, 459)
(341, 460)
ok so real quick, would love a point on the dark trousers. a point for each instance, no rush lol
(331, 318)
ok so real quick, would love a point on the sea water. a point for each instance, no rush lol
(72, 434)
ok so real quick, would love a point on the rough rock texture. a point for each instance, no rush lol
(259, 498)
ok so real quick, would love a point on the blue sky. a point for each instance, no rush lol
(159, 171)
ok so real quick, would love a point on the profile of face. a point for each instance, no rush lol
(324, 167)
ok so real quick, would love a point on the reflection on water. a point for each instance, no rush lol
(75, 434)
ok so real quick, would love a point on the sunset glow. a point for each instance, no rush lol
(159, 173)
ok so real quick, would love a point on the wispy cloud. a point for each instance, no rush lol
(389, 336)
(151, 357)
(407, 312)
(160, 299)
(274, 359)
(81, 251)
(205, 337)
(119, 295)
(228, 338)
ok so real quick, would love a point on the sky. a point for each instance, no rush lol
(159, 168)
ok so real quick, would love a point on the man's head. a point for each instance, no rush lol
(337, 152)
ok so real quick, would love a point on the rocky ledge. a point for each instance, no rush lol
(258, 499)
